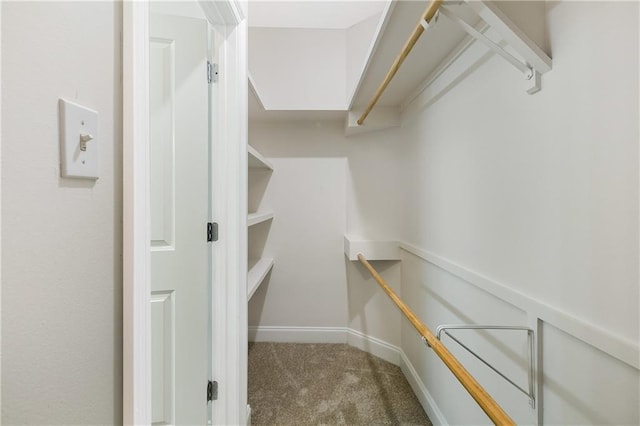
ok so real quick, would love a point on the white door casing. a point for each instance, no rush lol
(229, 209)
(179, 174)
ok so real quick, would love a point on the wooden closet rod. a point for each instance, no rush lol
(477, 392)
(429, 13)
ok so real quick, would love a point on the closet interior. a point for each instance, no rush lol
(360, 146)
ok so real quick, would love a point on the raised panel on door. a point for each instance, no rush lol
(162, 105)
(163, 357)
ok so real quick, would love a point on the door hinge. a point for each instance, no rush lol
(212, 72)
(212, 391)
(212, 231)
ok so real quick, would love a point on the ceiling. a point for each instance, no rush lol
(311, 13)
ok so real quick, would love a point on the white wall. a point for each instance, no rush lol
(61, 240)
(549, 180)
(299, 69)
(307, 192)
(540, 194)
(309, 68)
(319, 190)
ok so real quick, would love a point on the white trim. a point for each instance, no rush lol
(0, 216)
(614, 345)
(354, 338)
(298, 334)
(222, 12)
(374, 346)
(229, 297)
(385, 16)
(136, 255)
(617, 346)
(229, 163)
(421, 392)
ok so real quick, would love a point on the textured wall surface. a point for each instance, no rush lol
(293, 75)
(61, 239)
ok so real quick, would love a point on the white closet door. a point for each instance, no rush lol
(179, 210)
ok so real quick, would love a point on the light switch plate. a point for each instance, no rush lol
(78, 123)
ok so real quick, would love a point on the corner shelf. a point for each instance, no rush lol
(257, 273)
(371, 249)
(255, 160)
(256, 218)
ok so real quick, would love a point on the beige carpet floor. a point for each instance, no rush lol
(327, 384)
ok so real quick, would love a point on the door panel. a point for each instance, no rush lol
(179, 210)
(162, 154)
(163, 357)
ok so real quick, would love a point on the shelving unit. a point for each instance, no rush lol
(258, 270)
(445, 53)
(256, 160)
(371, 249)
(258, 221)
(457, 40)
(256, 218)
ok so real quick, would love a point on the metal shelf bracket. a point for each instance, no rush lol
(530, 340)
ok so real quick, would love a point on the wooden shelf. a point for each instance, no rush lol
(256, 160)
(371, 249)
(258, 270)
(256, 218)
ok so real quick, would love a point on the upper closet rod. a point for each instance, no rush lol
(428, 14)
(477, 392)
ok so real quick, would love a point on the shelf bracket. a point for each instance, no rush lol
(530, 340)
(531, 75)
(426, 25)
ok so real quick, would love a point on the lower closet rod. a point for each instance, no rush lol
(477, 392)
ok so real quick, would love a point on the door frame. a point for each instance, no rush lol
(228, 186)
(0, 216)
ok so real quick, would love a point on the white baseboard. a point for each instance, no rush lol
(423, 395)
(354, 338)
(298, 334)
(374, 346)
